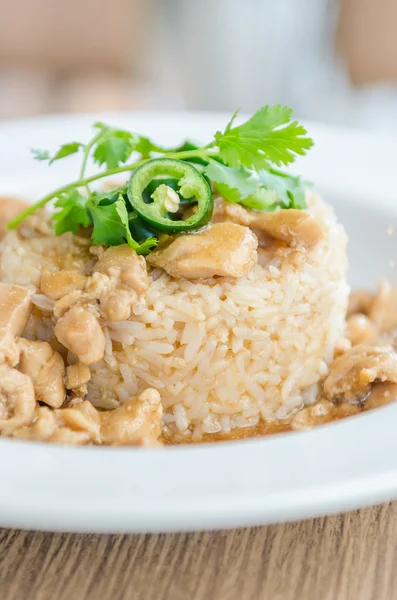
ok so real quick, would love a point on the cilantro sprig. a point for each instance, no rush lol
(269, 136)
(242, 163)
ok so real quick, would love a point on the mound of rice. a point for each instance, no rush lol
(230, 352)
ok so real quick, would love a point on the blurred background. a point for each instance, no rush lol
(332, 60)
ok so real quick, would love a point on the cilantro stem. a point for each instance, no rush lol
(83, 182)
(87, 150)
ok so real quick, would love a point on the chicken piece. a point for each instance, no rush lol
(17, 400)
(15, 309)
(296, 228)
(230, 211)
(74, 426)
(101, 389)
(325, 411)
(360, 302)
(9, 208)
(383, 309)
(63, 304)
(123, 263)
(223, 249)
(77, 376)
(351, 374)
(82, 418)
(56, 284)
(80, 332)
(45, 368)
(119, 277)
(117, 306)
(136, 422)
(42, 426)
(359, 330)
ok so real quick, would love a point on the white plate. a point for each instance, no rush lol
(289, 476)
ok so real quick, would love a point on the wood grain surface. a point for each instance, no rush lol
(345, 557)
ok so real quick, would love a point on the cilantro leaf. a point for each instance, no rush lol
(113, 146)
(145, 146)
(232, 184)
(234, 117)
(267, 190)
(66, 150)
(108, 196)
(145, 246)
(40, 154)
(290, 190)
(111, 226)
(72, 214)
(238, 185)
(263, 200)
(267, 137)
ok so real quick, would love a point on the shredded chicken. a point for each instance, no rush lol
(82, 419)
(41, 427)
(325, 411)
(136, 422)
(80, 332)
(224, 249)
(15, 309)
(72, 298)
(124, 279)
(123, 264)
(77, 376)
(75, 426)
(118, 279)
(57, 284)
(351, 374)
(45, 368)
(17, 399)
(296, 228)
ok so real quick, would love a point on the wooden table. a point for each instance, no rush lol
(345, 557)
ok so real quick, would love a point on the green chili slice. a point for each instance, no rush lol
(165, 200)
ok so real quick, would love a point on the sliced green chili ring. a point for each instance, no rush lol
(190, 183)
